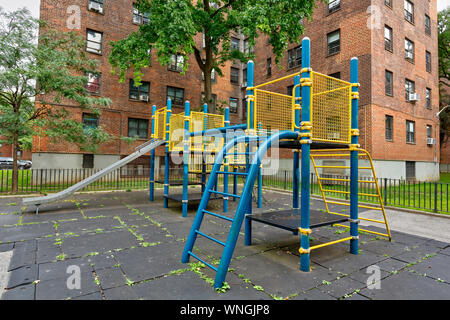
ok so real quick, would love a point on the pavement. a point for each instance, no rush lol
(120, 246)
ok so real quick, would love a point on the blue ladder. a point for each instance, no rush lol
(243, 206)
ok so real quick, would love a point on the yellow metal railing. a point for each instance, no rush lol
(160, 123)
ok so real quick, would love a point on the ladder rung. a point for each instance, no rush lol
(346, 180)
(235, 173)
(202, 261)
(240, 153)
(218, 215)
(225, 194)
(210, 238)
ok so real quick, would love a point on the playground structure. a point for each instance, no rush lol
(318, 120)
(194, 138)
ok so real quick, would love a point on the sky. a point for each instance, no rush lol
(33, 5)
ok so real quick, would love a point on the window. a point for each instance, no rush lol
(428, 98)
(333, 42)
(295, 57)
(233, 105)
(244, 108)
(95, 6)
(410, 131)
(427, 25)
(90, 120)
(247, 48)
(336, 75)
(88, 161)
(428, 61)
(389, 83)
(94, 41)
(429, 131)
(213, 75)
(235, 43)
(409, 50)
(140, 93)
(389, 121)
(138, 128)
(93, 83)
(388, 38)
(139, 17)
(409, 11)
(176, 95)
(244, 75)
(388, 3)
(334, 5)
(410, 170)
(409, 88)
(234, 75)
(177, 63)
(289, 90)
(269, 67)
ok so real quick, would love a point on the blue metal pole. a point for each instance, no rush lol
(296, 157)
(152, 159)
(259, 202)
(205, 126)
(227, 254)
(225, 176)
(305, 147)
(250, 127)
(354, 158)
(206, 196)
(166, 156)
(186, 156)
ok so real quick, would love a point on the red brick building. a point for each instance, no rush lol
(396, 44)
(394, 40)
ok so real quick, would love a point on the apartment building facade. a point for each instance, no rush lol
(394, 40)
(396, 44)
(129, 114)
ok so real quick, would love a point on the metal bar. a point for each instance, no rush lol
(202, 261)
(365, 230)
(210, 238)
(218, 215)
(330, 243)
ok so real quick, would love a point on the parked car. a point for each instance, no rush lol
(7, 163)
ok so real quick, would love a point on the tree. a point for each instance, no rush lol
(444, 72)
(173, 24)
(36, 76)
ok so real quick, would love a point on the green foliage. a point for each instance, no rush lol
(174, 24)
(444, 71)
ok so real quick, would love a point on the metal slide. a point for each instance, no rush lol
(141, 150)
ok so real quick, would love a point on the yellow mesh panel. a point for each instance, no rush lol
(160, 123)
(201, 121)
(273, 111)
(330, 109)
(176, 132)
(235, 155)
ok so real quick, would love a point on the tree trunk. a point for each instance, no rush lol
(15, 173)
(208, 91)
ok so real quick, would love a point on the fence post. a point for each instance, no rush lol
(435, 197)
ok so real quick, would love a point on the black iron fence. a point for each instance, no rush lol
(421, 195)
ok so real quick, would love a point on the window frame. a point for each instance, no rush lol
(389, 131)
(174, 65)
(90, 49)
(409, 16)
(427, 26)
(89, 82)
(332, 50)
(410, 134)
(100, 3)
(175, 100)
(388, 43)
(388, 3)
(89, 117)
(139, 121)
(407, 42)
(133, 88)
(389, 92)
(412, 85)
(269, 67)
(428, 66)
(295, 57)
(234, 77)
(236, 100)
(233, 47)
(431, 131)
(142, 18)
(334, 9)
(428, 98)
